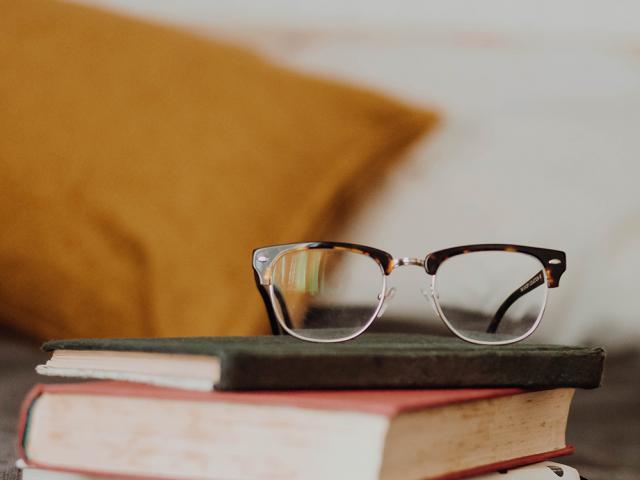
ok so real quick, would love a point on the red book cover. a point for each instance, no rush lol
(388, 403)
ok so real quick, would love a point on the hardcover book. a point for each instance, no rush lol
(537, 471)
(376, 360)
(134, 430)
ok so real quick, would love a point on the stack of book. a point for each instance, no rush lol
(380, 407)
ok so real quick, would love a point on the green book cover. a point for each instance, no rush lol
(376, 360)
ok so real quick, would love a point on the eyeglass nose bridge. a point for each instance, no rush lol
(401, 262)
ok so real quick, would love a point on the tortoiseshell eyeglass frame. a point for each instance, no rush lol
(553, 264)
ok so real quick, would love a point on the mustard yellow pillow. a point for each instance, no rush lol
(140, 166)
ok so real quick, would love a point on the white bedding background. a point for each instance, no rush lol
(540, 143)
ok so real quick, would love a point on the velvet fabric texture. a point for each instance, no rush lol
(141, 165)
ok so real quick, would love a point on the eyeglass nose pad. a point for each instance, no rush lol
(431, 298)
(387, 300)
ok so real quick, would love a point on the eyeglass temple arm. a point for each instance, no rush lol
(276, 329)
(283, 308)
(264, 293)
(531, 284)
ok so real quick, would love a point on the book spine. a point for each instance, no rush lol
(256, 371)
(23, 418)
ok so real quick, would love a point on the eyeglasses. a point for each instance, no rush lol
(492, 294)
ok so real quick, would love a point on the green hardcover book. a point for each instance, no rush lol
(376, 360)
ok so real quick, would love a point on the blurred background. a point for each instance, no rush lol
(539, 142)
